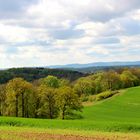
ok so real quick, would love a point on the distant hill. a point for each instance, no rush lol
(103, 68)
(97, 64)
(31, 74)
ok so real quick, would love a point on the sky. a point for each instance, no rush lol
(53, 32)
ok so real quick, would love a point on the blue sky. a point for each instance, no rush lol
(51, 32)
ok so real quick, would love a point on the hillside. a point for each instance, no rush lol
(124, 107)
(31, 74)
(118, 113)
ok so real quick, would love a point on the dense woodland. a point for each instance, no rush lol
(54, 97)
(31, 74)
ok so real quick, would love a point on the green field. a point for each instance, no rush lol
(120, 113)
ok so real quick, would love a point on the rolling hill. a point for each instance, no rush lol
(97, 64)
(124, 107)
(118, 113)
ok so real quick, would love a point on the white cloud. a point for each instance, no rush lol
(47, 32)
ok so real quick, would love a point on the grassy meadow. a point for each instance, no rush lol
(119, 114)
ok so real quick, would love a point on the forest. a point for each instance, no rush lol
(31, 74)
(54, 97)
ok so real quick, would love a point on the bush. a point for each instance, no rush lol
(84, 98)
(105, 95)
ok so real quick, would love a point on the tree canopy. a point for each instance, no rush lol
(52, 97)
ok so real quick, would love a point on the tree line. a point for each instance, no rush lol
(48, 97)
(31, 74)
(53, 97)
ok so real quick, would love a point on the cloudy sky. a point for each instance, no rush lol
(50, 32)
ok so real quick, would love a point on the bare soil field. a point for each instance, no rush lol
(19, 135)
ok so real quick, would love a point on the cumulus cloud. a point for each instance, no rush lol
(38, 32)
(14, 8)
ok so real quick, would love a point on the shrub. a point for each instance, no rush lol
(84, 98)
(105, 95)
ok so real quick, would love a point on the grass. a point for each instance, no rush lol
(120, 113)
(124, 107)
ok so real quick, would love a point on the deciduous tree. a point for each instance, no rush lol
(67, 101)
